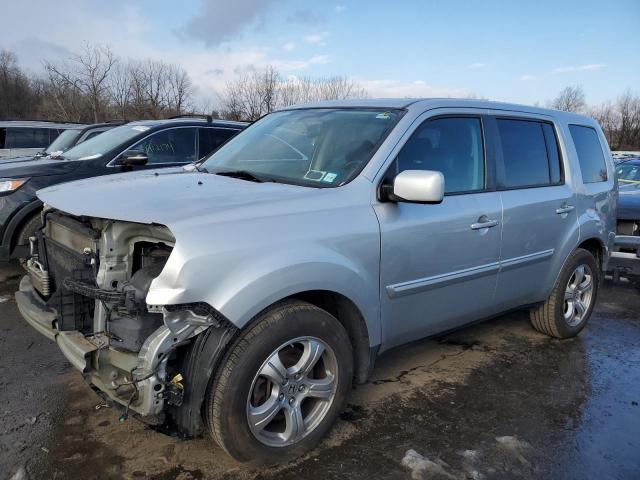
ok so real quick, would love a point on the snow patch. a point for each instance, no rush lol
(515, 446)
(420, 466)
(21, 474)
(470, 460)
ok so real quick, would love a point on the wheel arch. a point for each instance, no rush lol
(597, 249)
(349, 315)
(18, 221)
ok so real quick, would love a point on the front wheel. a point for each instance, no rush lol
(566, 312)
(282, 385)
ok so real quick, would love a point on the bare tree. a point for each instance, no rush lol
(86, 73)
(628, 107)
(179, 89)
(570, 99)
(120, 89)
(19, 95)
(256, 93)
(607, 116)
(252, 95)
(310, 89)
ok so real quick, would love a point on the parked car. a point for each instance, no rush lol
(27, 138)
(135, 146)
(625, 260)
(245, 296)
(620, 156)
(67, 139)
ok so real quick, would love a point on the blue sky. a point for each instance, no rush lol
(503, 50)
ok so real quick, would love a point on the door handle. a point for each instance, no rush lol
(564, 209)
(484, 222)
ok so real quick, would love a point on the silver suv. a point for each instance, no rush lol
(245, 294)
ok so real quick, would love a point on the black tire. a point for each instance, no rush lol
(548, 318)
(27, 231)
(226, 402)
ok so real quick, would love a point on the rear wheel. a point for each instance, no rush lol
(566, 312)
(282, 385)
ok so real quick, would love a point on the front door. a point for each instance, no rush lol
(439, 263)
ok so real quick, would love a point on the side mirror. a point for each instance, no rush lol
(133, 158)
(419, 186)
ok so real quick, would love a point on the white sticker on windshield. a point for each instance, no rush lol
(383, 116)
(140, 128)
(329, 177)
(315, 175)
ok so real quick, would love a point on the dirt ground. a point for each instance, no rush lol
(494, 400)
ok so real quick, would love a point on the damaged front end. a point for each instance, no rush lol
(86, 289)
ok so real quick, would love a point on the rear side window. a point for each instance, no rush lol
(453, 146)
(3, 131)
(592, 164)
(27, 138)
(530, 153)
(211, 138)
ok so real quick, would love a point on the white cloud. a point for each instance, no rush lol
(288, 65)
(316, 38)
(340, 8)
(415, 89)
(527, 77)
(289, 46)
(477, 65)
(590, 67)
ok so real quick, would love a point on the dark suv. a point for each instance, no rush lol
(134, 146)
(68, 139)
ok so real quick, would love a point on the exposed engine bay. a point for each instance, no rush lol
(93, 276)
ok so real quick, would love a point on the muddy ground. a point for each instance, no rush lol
(495, 400)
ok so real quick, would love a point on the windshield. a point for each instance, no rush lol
(313, 147)
(63, 142)
(628, 172)
(105, 142)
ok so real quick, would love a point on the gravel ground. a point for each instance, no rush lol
(494, 400)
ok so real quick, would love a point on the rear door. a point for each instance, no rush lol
(439, 263)
(539, 206)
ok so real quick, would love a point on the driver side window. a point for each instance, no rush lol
(174, 145)
(453, 146)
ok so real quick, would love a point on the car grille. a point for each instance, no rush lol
(67, 250)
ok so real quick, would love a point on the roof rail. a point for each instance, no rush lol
(209, 118)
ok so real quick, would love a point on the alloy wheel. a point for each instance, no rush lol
(292, 391)
(578, 295)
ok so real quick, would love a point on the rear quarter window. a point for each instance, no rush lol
(590, 156)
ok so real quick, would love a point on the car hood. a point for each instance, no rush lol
(629, 201)
(35, 167)
(172, 197)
